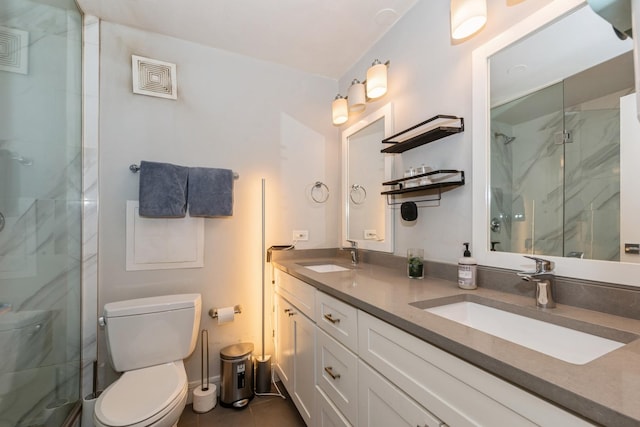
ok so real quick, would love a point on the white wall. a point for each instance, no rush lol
(430, 74)
(257, 118)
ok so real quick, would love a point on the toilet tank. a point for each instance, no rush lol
(150, 331)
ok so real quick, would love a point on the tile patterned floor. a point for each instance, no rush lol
(263, 411)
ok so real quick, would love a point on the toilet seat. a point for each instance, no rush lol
(142, 397)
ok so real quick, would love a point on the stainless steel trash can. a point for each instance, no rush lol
(236, 367)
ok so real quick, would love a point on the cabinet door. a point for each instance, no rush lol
(284, 341)
(328, 415)
(304, 341)
(381, 404)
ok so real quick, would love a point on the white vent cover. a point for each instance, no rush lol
(154, 78)
(14, 50)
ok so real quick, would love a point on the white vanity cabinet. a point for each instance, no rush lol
(352, 369)
(295, 342)
(455, 391)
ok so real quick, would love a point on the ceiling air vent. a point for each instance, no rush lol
(14, 50)
(154, 78)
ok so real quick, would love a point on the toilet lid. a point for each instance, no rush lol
(140, 394)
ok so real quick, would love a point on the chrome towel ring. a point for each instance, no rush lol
(358, 194)
(319, 192)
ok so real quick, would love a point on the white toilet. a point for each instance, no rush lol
(147, 339)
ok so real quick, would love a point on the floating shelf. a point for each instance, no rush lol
(430, 130)
(441, 177)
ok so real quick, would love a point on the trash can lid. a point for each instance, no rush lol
(236, 351)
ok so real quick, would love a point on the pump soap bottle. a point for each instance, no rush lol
(467, 270)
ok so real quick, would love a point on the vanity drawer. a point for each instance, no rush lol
(337, 374)
(454, 390)
(338, 319)
(300, 294)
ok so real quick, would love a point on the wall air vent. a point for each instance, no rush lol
(154, 78)
(14, 50)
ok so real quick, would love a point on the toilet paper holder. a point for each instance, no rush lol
(213, 312)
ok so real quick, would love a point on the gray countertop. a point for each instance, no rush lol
(605, 390)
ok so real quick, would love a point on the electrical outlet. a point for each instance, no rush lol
(301, 235)
(370, 235)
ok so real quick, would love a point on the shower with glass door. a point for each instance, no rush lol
(555, 166)
(40, 211)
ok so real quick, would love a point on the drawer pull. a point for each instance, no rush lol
(286, 310)
(292, 313)
(329, 370)
(330, 318)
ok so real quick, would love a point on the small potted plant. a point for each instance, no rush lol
(415, 263)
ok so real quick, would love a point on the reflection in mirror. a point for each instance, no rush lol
(555, 166)
(367, 219)
(549, 102)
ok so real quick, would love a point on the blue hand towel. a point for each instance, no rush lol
(163, 190)
(210, 192)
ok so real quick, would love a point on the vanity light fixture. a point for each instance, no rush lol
(467, 17)
(339, 110)
(357, 97)
(376, 80)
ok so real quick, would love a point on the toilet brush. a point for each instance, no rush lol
(204, 397)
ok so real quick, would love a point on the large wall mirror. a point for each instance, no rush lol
(366, 217)
(554, 135)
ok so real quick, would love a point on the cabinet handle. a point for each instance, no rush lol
(330, 318)
(286, 310)
(292, 313)
(329, 370)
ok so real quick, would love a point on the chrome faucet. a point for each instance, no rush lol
(544, 279)
(354, 251)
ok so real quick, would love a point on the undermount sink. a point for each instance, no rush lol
(567, 344)
(326, 268)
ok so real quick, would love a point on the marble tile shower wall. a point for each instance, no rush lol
(568, 194)
(43, 251)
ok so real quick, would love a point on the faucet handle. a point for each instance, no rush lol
(542, 265)
(354, 244)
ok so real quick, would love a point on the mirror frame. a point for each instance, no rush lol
(387, 245)
(605, 271)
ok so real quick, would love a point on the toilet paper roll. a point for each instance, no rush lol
(225, 315)
(204, 400)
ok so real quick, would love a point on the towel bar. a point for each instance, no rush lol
(136, 168)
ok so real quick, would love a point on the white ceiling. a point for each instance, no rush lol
(323, 37)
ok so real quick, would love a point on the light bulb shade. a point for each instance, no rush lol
(357, 98)
(376, 80)
(339, 111)
(467, 17)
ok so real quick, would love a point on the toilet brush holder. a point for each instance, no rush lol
(263, 374)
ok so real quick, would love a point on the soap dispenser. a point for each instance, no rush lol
(467, 267)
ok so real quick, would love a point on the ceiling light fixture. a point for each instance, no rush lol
(357, 96)
(467, 17)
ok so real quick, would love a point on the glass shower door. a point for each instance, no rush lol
(527, 182)
(40, 208)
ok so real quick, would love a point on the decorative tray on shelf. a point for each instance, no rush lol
(430, 130)
(439, 179)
